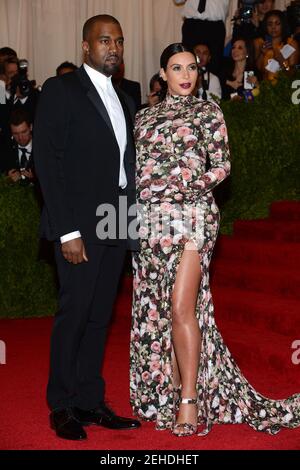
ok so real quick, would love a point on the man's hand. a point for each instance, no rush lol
(74, 251)
(28, 174)
(14, 175)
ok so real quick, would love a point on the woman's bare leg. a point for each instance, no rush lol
(186, 333)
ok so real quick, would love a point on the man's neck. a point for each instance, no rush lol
(96, 70)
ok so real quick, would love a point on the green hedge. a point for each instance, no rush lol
(264, 137)
(27, 284)
(265, 141)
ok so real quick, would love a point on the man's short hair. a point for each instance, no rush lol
(18, 116)
(7, 52)
(89, 24)
(66, 65)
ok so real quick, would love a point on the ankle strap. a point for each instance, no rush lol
(188, 401)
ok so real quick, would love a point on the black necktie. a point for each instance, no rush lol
(201, 6)
(23, 162)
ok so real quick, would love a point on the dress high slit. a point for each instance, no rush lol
(175, 140)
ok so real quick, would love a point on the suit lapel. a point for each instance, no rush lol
(94, 97)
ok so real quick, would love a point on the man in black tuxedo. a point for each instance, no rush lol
(18, 156)
(85, 158)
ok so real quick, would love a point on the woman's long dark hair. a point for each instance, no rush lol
(171, 50)
(284, 24)
(250, 62)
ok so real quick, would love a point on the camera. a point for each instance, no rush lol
(246, 10)
(21, 80)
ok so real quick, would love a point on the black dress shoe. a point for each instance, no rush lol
(104, 416)
(66, 426)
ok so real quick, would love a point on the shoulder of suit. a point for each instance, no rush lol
(132, 83)
(62, 79)
(127, 98)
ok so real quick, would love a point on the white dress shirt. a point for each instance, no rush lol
(215, 10)
(214, 87)
(115, 112)
(16, 98)
(28, 151)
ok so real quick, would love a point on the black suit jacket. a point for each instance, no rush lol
(12, 161)
(77, 158)
(29, 106)
(132, 89)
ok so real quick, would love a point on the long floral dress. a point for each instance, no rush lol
(176, 140)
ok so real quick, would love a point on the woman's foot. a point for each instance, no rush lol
(187, 419)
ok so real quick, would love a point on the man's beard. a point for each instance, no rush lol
(110, 69)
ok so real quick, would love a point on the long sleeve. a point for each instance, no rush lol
(50, 134)
(213, 128)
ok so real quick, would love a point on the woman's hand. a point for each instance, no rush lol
(253, 80)
(278, 56)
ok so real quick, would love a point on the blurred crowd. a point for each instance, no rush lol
(265, 42)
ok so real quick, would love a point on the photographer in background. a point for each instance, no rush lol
(5, 54)
(20, 91)
(208, 85)
(248, 18)
(18, 157)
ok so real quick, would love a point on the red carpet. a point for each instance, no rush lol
(257, 298)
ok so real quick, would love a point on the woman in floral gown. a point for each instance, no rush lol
(182, 374)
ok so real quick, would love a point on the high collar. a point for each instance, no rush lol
(171, 100)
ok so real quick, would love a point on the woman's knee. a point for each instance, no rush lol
(181, 311)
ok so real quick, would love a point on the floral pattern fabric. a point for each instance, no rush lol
(176, 139)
